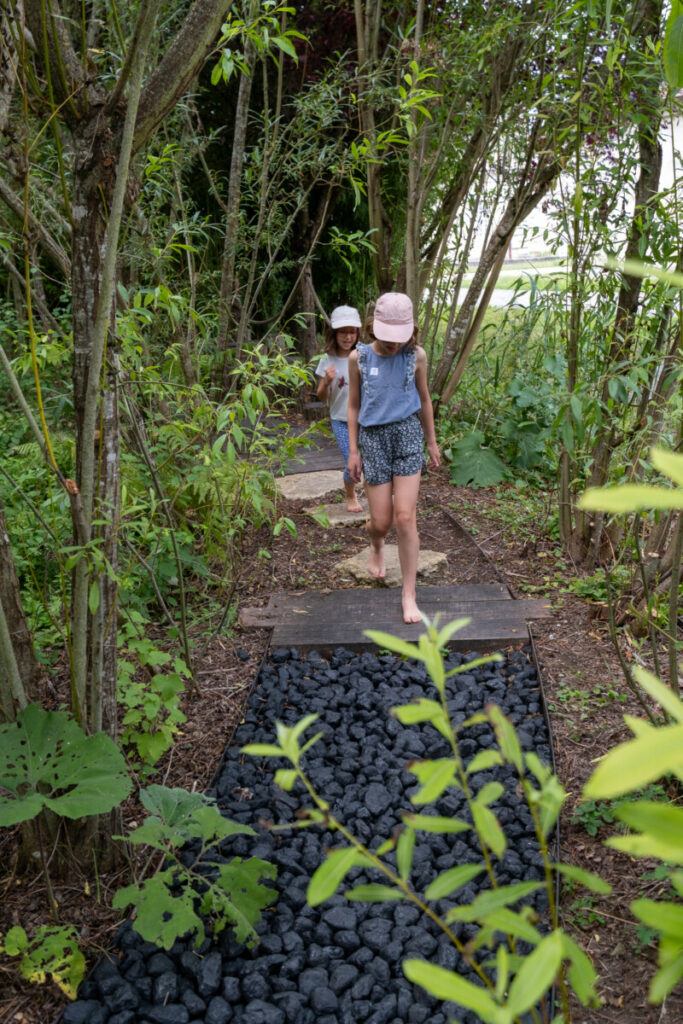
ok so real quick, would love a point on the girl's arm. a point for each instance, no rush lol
(354, 463)
(325, 382)
(426, 412)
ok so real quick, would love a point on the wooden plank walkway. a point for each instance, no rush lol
(324, 620)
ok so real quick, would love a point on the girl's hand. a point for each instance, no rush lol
(354, 467)
(434, 460)
(330, 374)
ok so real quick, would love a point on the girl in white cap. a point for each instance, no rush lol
(389, 417)
(340, 338)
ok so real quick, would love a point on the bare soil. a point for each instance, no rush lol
(584, 691)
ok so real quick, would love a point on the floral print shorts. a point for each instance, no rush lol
(392, 449)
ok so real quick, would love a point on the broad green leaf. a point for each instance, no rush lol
(630, 498)
(489, 793)
(46, 760)
(427, 823)
(491, 900)
(673, 50)
(581, 973)
(483, 760)
(451, 880)
(660, 692)
(585, 878)
(666, 979)
(662, 825)
(285, 778)
(435, 777)
(241, 882)
(159, 917)
(505, 736)
(666, 918)
(669, 463)
(646, 846)
(480, 467)
(263, 750)
(445, 634)
(392, 643)
(636, 763)
(446, 985)
(94, 597)
(374, 893)
(489, 829)
(509, 922)
(404, 853)
(536, 975)
(327, 878)
(423, 710)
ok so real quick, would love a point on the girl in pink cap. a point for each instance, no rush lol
(340, 338)
(390, 416)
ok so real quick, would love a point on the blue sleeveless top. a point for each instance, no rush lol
(388, 392)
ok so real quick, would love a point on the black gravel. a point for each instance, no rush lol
(339, 963)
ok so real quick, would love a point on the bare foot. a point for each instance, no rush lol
(353, 505)
(377, 567)
(411, 613)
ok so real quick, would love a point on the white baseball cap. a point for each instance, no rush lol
(344, 316)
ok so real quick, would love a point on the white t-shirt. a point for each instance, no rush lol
(339, 387)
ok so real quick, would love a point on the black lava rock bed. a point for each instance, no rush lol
(340, 962)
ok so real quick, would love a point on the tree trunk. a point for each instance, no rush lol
(20, 641)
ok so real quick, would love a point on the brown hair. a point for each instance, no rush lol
(411, 343)
(330, 340)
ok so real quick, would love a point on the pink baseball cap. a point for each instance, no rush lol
(393, 318)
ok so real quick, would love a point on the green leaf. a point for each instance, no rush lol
(505, 736)
(94, 597)
(404, 853)
(263, 750)
(660, 692)
(662, 825)
(435, 777)
(451, 880)
(285, 778)
(374, 893)
(585, 878)
(327, 878)
(478, 467)
(581, 972)
(673, 49)
(488, 828)
(390, 642)
(241, 882)
(666, 918)
(435, 823)
(509, 922)
(446, 985)
(666, 979)
(489, 793)
(483, 760)
(423, 710)
(630, 498)
(158, 918)
(46, 760)
(536, 975)
(636, 763)
(492, 900)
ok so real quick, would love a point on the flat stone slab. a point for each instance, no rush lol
(339, 515)
(298, 486)
(428, 563)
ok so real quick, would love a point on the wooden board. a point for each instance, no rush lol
(323, 455)
(322, 621)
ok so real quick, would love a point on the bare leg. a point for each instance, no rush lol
(352, 502)
(405, 517)
(379, 524)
